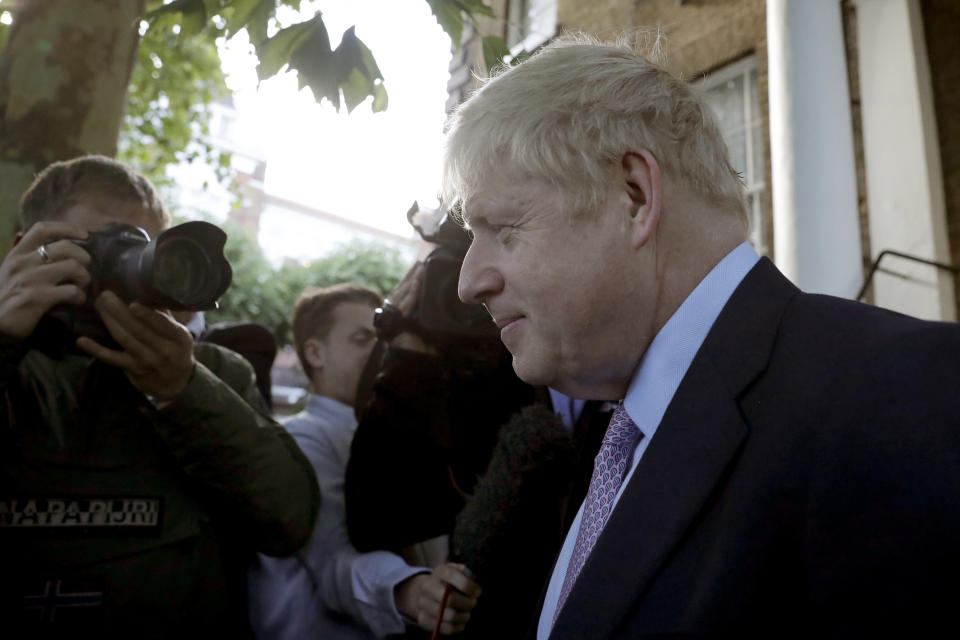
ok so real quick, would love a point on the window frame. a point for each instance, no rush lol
(751, 126)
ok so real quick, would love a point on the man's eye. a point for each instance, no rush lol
(504, 233)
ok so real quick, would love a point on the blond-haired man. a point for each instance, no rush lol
(781, 463)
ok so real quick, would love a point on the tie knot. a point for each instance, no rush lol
(621, 429)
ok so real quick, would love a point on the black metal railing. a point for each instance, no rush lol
(906, 256)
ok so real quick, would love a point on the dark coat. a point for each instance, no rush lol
(146, 516)
(804, 481)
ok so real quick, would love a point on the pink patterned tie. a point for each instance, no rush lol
(608, 471)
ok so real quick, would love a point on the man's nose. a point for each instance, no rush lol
(480, 278)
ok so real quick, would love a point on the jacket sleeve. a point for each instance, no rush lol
(223, 438)
(359, 585)
(12, 351)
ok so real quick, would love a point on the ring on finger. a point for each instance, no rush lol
(42, 250)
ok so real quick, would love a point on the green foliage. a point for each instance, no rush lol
(495, 51)
(346, 75)
(450, 15)
(378, 266)
(173, 83)
(259, 293)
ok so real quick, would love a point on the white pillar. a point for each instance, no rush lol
(905, 195)
(816, 233)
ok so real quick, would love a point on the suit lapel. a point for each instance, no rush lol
(695, 443)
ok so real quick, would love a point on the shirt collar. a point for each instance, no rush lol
(669, 355)
(331, 411)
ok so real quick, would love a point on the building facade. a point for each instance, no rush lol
(840, 115)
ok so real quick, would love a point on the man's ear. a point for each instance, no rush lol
(315, 353)
(17, 238)
(641, 174)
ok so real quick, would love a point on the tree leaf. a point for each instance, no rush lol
(476, 8)
(243, 12)
(520, 57)
(177, 6)
(259, 21)
(351, 70)
(356, 88)
(317, 66)
(449, 17)
(495, 50)
(354, 54)
(193, 15)
(277, 51)
(379, 98)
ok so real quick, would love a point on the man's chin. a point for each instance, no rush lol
(532, 373)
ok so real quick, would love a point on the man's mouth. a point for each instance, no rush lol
(505, 321)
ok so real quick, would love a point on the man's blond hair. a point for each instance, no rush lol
(569, 113)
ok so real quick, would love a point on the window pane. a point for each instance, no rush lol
(726, 100)
(757, 154)
(737, 143)
(754, 98)
(541, 18)
(725, 95)
(755, 215)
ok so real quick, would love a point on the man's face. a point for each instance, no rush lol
(346, 349)
(92, 213)
(555, 285)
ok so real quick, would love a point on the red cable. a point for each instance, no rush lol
(443, 605)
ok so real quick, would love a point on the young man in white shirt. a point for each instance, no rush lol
(328, 589)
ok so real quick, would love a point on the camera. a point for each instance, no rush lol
(440, 309)
(182, 269)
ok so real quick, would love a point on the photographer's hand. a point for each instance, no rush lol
(32, 281)
(157, 351)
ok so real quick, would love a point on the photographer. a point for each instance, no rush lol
(139, 472)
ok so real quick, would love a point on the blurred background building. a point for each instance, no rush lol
(285, 228)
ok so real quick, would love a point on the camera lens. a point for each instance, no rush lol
(180, 270)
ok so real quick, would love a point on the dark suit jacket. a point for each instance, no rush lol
(805, 481)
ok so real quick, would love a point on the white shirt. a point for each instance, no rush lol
(328, 589)
(655, 382)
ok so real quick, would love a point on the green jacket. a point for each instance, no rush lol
(117, 514)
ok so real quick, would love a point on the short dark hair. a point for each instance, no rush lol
(313, 312)
(62, 184)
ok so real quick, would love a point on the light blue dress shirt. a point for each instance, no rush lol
(567, 408)
(656, 380)
(328, 589)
